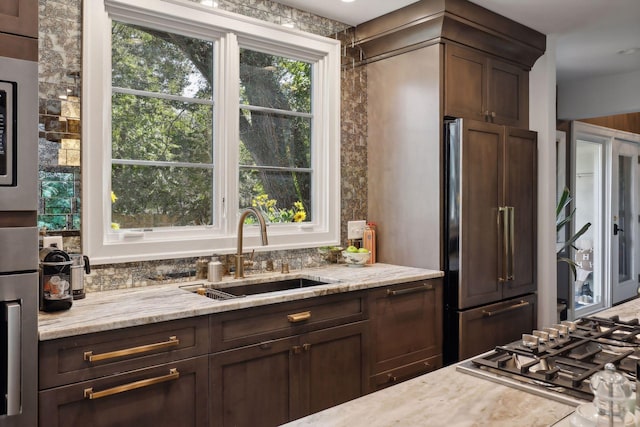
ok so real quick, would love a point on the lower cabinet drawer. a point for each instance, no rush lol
(168, 395)
(84, 357)
(402, 373)
(483, 328)
(255, 325)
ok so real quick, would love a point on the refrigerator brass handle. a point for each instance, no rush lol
(88, 355)
(512, 243)
(421, 288)
(13, 361)
(299, 317)
(521, 304)
(92, 395)
(502, 210)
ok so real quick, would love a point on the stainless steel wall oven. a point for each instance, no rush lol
(18, 242)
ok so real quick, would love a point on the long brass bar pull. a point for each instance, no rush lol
(502, 210)
(512, 243)
(521, 304)
(421, 288)
(88, 355)
(92, 395)
(299, 317)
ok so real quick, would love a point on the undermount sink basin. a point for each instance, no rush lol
(279, 285)
(217, 291)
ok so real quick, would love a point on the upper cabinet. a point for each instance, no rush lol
(428, 22)
(481, 87)
(19, 29)
(19, 17)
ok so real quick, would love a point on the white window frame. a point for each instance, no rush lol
(229, 32)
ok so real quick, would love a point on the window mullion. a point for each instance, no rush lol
(229, 125)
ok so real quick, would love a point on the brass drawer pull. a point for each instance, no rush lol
(504, 310)
(171, 376)
(299, 317)
(88, 355)
(421, 288)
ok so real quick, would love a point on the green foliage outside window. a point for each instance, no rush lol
(163, 135)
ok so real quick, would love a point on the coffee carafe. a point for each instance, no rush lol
(80, 265)
(55, 279)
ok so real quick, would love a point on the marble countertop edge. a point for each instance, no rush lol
(116, 309)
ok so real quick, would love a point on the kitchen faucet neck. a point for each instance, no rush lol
(263, 234)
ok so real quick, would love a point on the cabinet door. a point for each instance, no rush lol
(334, 368)
(465, 83)
(481, 87)
(481, 246)
(507, 100)
(168, 395)
(251, 386)
(19, 17)
(521, 196)
(406, 326)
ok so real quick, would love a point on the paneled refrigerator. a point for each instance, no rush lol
(489, 235)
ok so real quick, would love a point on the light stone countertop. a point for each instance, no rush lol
(442, 398)
(101, 311)
(447, 397)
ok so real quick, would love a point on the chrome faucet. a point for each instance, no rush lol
(263, 233)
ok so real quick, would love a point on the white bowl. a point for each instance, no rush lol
(356, 259)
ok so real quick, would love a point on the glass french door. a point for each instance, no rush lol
(624, 231)
(589, 183)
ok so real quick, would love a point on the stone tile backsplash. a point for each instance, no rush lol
(60, 78)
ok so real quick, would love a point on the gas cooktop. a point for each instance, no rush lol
(557, 362)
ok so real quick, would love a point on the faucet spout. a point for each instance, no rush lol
(263, 233)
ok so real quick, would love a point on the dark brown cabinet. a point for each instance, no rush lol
(481, 87)
(19, 17)
(270, 383)
(168, 395)
(496, 324)
(406, 331)
(498, 191)
(276, 363)
(19, 29)
(145, 375)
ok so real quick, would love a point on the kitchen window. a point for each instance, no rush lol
(191, 114)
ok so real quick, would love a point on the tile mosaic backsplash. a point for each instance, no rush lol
(60, 78)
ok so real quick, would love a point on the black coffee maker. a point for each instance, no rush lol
(55, 279)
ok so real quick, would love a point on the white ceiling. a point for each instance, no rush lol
(589, 33)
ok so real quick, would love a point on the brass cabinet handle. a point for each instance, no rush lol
(512, 242)
(503, 212)
(391, 378)
(91, 395)
(521, 304)
(299, 317)
(88, 355)
(421, 288)
(296, 349)
(306, 346)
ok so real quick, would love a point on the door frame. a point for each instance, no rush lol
(629, 289)
(605, 136)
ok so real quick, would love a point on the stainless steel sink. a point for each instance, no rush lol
(228, 291)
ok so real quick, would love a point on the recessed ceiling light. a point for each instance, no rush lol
(348, 1)
(629, 51)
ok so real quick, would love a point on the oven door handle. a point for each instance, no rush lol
(14, 370)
